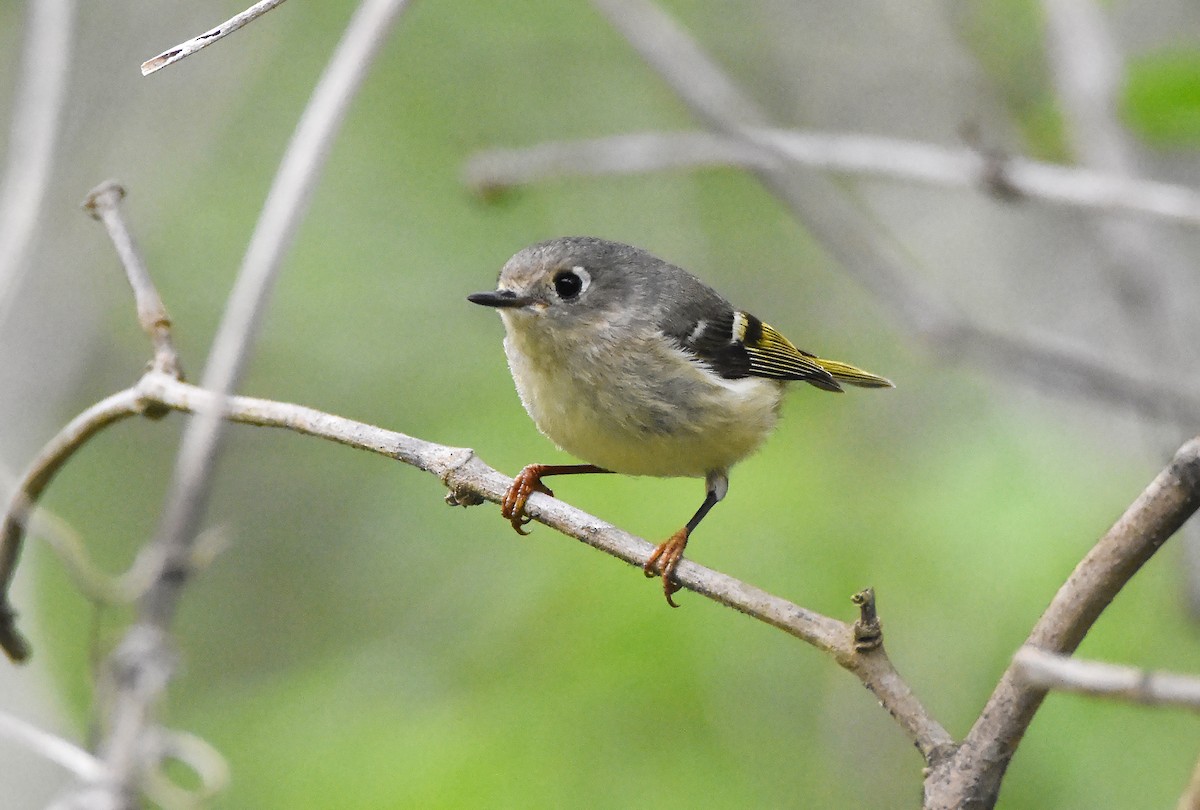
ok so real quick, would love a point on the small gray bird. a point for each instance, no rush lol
(637, 367)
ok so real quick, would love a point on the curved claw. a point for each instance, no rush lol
(527, 482)
(664, 560)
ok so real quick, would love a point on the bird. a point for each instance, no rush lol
(635, 366)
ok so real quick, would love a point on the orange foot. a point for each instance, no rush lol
(663, 561)
(527, 482)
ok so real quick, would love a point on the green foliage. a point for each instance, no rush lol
(1161, 101)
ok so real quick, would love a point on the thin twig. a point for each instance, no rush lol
(103, 204)
(496, 170)
(30, 487)
(1052, 671)
(37, 108)
(68, 546)
(1171, 498)
(186, 49)
(51, 747)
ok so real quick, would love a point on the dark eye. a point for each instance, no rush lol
(569, 284)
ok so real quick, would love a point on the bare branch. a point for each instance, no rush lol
(496, 170)
(1087, 69)
(186, 49)
(38, 104)
(68, 547)
(1170, 499)
(472, 481)
(103, 204)
(30, 487)
(1064, 369)
(53, 748)
(1052, 671)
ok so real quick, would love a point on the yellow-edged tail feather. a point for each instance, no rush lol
(852, 375)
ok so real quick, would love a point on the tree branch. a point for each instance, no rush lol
(51, 747)
(29, 488)
(496, 170)
(973, 776)
(103, 204)
(470, 480)
(1052, 671)
(186, 49)
(37, 107)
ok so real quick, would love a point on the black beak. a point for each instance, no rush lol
(505, 299)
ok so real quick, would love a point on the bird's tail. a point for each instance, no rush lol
(851, 375)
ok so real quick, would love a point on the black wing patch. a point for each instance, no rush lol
(736, 344)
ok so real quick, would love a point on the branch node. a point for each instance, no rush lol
(994, 165)
(144, 662)
(103, 197)
(444, 462)
(463, 496)
(868, 630)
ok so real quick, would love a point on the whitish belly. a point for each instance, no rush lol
(679, 421)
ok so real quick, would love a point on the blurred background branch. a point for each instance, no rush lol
(359, 601)
(33, 136)
(1013, 178)
(1053, 671)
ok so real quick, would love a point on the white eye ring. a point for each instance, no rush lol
(570, 284)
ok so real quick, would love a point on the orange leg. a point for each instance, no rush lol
(666, 555)
(664, 559)
(529, 481)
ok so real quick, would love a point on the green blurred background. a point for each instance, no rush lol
(361, 644)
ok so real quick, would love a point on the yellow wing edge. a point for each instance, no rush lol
(852, 375)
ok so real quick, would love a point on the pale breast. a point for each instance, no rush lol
(646, 409)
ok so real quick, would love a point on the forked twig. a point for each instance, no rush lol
(972, 777)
